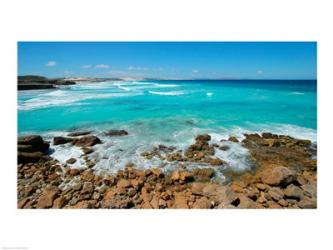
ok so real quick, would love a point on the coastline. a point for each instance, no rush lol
(283, 174)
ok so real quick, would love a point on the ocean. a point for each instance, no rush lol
(168, 112)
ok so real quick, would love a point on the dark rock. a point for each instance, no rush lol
(58, 140)
(233, 139)
(114, 132)
(35, 142)
(25, 157)
(71, 161)
(86, 141)
(79, 133)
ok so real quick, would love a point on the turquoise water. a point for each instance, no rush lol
(171, 112)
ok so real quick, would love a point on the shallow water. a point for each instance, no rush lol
(169, 113)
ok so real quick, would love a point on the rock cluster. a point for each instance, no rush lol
(285, 177)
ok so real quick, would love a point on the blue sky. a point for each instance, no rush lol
(226, 60)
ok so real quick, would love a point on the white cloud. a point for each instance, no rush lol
(102, 66)
(51, 64)
(68, 72)
(195, 71)
(137, 68)
(260, 72)
(88, 66)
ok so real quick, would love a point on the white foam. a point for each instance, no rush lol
(166, 85)
(168, 93)
(209, 93)
(297, 93)
(63, 98)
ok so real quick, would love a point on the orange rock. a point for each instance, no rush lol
(180, 200)
(47, 198)
(175, 175)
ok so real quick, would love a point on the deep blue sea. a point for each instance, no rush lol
(169, 112)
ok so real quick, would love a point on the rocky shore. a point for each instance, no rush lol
(283, 175)
(39, 82)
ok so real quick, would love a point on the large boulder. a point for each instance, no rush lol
(31, 148)
(32, 143)
(278, 176)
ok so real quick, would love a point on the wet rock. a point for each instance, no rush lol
(58, 140)
(224, 148)
(203, 174)
(87, 150)
(71, 161)
(215, 161)
(114, 132)
(86, 141)
(73, 172)
(233, 139)
(204, 137)
(79, 133)
(278, 176)
(87, 175)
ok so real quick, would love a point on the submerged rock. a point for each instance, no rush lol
(114, 132)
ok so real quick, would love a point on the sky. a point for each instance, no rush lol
(170, 60)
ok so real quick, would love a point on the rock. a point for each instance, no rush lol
(58, 140)
(35, 142)
(123, 183)
(203, 174)
(261, 186)
(224, 148)
(283, 203)
(47, 198)
(293, 192)
(197, 188)
(25, 148)
(25, 157)
(71, 161)
(73, 172)
(245, 202)
(79, 133)
(269, 136)
(186, 176)
(21, 203)
(204, 137)
(114, 132)
(87, 175)
(81, 205)
(278, 176)
(175, 175)
(86, 141)
(180, 200)
(306, 202)
(274, 205)
(202, 203)
(276, 193)
(60, 202)
(77, 186)
(88, 188)
(87, 150)
(233, 139)
(157, 172)
(216, 161)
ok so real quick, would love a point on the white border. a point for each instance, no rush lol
(209, 20)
